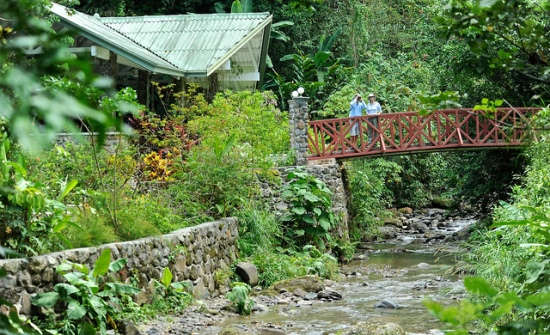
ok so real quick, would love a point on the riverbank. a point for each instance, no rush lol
(385, 284)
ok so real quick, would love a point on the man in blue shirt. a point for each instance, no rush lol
(356, 109)
(373, 108)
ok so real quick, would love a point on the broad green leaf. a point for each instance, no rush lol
(98, 305)
(284, 59)
(299, 232)
(539, 299)
(324, 223)
(282, 24)
(118, 265)
(311, 197)
(82, 268)
(479, 286)
(236, 7)
(68, 188)
(166, 278)
(299, 210)
(487, 3)
(102, 264)
(534, 269)
(86, 328)
(48, 299)
(179, 286)
(65, 289)
(75, 311)
(74, 278)
(123, 289)
(64, 268)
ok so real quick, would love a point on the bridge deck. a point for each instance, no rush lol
(410, 132)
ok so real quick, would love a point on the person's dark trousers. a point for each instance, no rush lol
(370, 130)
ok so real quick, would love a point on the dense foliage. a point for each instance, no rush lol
(199, 160)
(310, 218)
(87, 299)
(511, 257)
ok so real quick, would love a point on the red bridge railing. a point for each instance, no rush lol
(406, 132)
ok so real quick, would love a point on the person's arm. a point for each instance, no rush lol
(379, 109)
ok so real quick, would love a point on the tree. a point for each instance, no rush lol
(32, 112)
(511, 39)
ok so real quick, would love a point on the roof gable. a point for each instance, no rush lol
(191, 44)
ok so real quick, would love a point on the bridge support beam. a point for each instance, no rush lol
(298, 117)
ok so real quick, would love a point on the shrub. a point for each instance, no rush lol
(278, 264)
(169, 295)
(250, 119)
(310, 216)
(258, 229)
(368, 181)
(31, 220)
(216, 180)
(240, 299)
(512, 293)
(85, 304)
(92, 230)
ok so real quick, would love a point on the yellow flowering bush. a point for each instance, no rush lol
(157, 168)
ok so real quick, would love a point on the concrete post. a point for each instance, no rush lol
(299, 116)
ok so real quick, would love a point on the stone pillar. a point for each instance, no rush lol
(298, 110)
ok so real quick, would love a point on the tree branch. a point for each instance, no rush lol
(530, 76)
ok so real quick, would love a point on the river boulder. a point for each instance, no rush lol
(405, 210)
(387, 232)
(387, 304)
(305, 283)
(328, 294)
(248, 272)
(419, 226)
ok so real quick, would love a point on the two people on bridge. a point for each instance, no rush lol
(357, 106)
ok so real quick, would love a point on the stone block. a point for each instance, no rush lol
(248, 272)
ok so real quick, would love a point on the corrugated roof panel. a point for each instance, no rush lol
(173, 44)
(192, 42)
(101, 34)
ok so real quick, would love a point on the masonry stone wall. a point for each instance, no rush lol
(331, 175)
(112, 139)
(298, 113)
(193, 254)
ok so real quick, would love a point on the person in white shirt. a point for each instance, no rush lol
(373, 108)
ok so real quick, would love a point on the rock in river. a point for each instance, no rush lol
(305, 283)
(248, 272)
(387, 304)
(328, 294)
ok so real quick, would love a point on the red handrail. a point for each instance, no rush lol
(407, 132)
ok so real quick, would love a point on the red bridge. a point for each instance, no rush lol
(410, 132)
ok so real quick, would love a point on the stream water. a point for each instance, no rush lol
(413, 263)
(402, 278)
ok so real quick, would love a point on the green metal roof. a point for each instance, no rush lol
(180, 45)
